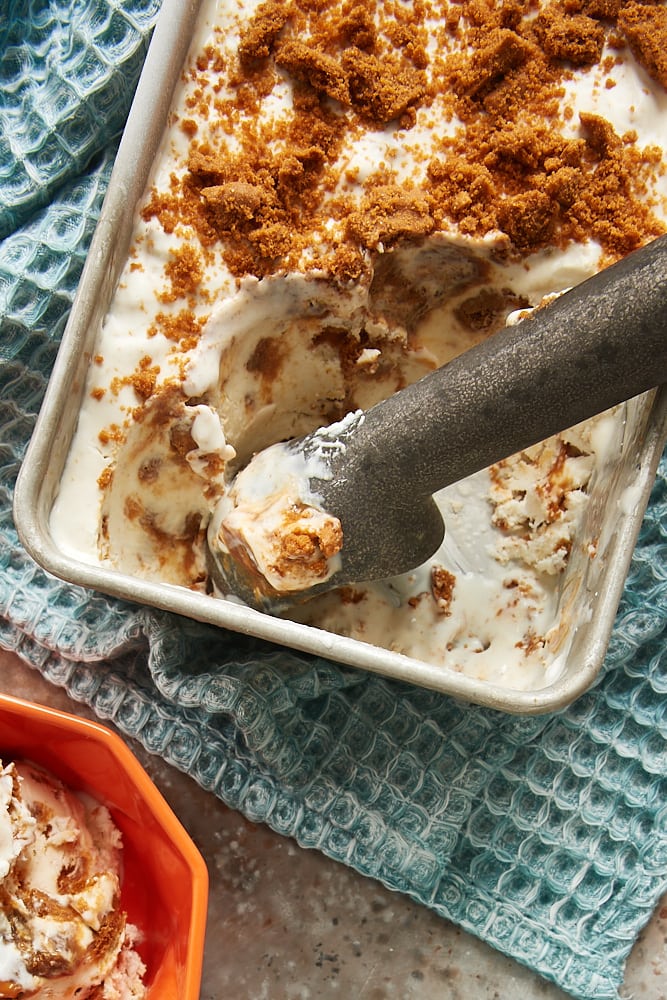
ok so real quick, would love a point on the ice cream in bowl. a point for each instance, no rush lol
(103, 894)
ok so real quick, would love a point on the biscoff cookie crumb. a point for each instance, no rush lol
(442, 589)
(602, 9)
(357, 27)
(389, 214)
(645, 28)
(381, 89)
(319, 69)
(184, 271)
(235, 202)
(259, 34)
(577, 38)
(599, 134)
(502, 51)
(528, 218)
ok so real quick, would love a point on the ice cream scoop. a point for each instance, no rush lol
(353, 502)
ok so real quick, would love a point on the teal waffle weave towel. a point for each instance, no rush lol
(545, 836)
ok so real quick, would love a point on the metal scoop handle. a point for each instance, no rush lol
(600, 343)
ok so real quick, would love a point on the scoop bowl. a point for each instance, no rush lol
(165, 881)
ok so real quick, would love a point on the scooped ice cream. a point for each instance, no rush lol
(62, 931)
(349, 195)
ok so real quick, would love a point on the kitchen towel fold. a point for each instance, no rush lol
(545, 836)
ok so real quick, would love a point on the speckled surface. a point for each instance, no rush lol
(290, 923)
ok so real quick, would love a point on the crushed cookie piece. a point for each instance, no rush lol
(260, 33)
(320, 70)
(463, 191)
(272, 240)
(599, 134)
(575, 38)
(190, 127)
(105, 478)
(527, 218)
(645, 28)
(144, 382)
(452, 19)
(111, 433)
(235, 202)
(204, 165)
(410, 39)
(442, 588)
(184, 270)
(357, 27)
(211, 58)
(602, 9)
(380, 88)
(502, 52)
(388, 214)
(183, 328)
(564, 186)
(144, 379)
(511, 13)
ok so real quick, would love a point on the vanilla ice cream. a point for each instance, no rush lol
(62, 931)
(347, 196)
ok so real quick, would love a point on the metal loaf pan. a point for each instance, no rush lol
(591, 590)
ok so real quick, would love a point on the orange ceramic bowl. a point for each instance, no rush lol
(165, 880)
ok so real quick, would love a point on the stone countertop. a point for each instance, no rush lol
(289, 923)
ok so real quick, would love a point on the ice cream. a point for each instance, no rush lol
(62, 931)
(347, 196)
(270, 522)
